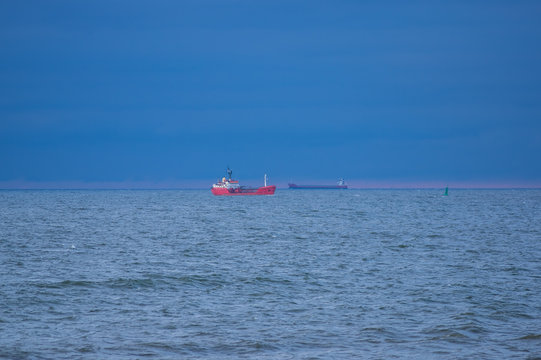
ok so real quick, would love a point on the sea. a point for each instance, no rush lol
(303, 274)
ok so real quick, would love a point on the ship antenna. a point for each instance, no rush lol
(265, 179)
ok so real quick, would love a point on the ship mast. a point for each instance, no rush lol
(229, 172)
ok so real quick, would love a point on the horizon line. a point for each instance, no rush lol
(204, 185)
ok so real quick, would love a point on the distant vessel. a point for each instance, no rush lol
(340, 185)
(230, 187)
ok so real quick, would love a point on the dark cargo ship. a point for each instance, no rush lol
(340, 185)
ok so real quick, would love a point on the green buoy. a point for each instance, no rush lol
(446, 191)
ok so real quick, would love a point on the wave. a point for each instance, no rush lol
(152, 281)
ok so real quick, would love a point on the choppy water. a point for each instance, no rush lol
(299, 275)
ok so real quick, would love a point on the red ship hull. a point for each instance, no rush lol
(264, 190)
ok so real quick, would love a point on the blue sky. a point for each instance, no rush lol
(171, 92)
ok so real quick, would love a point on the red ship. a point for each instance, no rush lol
(230, 187)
